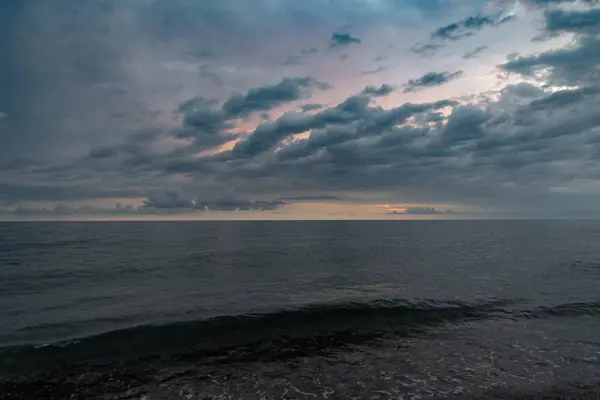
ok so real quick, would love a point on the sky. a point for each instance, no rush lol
(289, 109)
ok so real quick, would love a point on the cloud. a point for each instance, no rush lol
(208, 124)
(461, 29)
(576, 64)
(174, 200)
(377, 70)
(158, 52)
(120, 71)
(311, 107)
(310, 198)
(563, 98)
(382, 90)
(474, 53)
(353, 109)
(206, 72)
(553, 3)
(527, 145)
(421, 211)
(45, 191)
(344, 39)
(300, 58)
(271, 96)
(560, 21)
(151, 207)
(431, 79)
(292, 60)
(426, 49)
(468, 26)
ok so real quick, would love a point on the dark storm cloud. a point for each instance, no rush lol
(271, 96)
(34, 74)
(372, 120)
(474, 53)
(523, 146)
(563, 98)
(206, 122)
(570, 66)
(549, 138)
(558, 21)
(141, 46)
(431, 79)
(573, 65)
(344, 39)
(465, 123)
(374, 91)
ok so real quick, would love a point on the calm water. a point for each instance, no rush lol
(300, 310)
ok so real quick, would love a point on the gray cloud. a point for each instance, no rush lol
(426, 49)
(563, 98)
(174, 200)
(527, 146)
(155, 51)
(460, 30)
(474, 53)
(311, 107)
(467, 27)
(206, 72)
(377, 70)
(310, 198)
(431, 79)
(165, 205)
(422, 211)
(14, 192)
(271, 96)
(573, 65)
(300, 58)
(206, 122)
(353, 109)
(558, 21)
(292, 60)
(344, 39)
(523, 147)
(382, 90)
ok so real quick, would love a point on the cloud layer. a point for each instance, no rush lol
(144, 103)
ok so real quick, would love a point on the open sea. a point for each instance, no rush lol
(300, 310)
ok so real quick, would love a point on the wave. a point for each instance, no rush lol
(564, 310)
(310, 329)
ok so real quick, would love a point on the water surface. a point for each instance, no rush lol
(259, 310)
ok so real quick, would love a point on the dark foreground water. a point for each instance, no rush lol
(300, 310)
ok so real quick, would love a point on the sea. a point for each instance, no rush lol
(300, 310)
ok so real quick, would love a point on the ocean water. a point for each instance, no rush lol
(300, 310)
